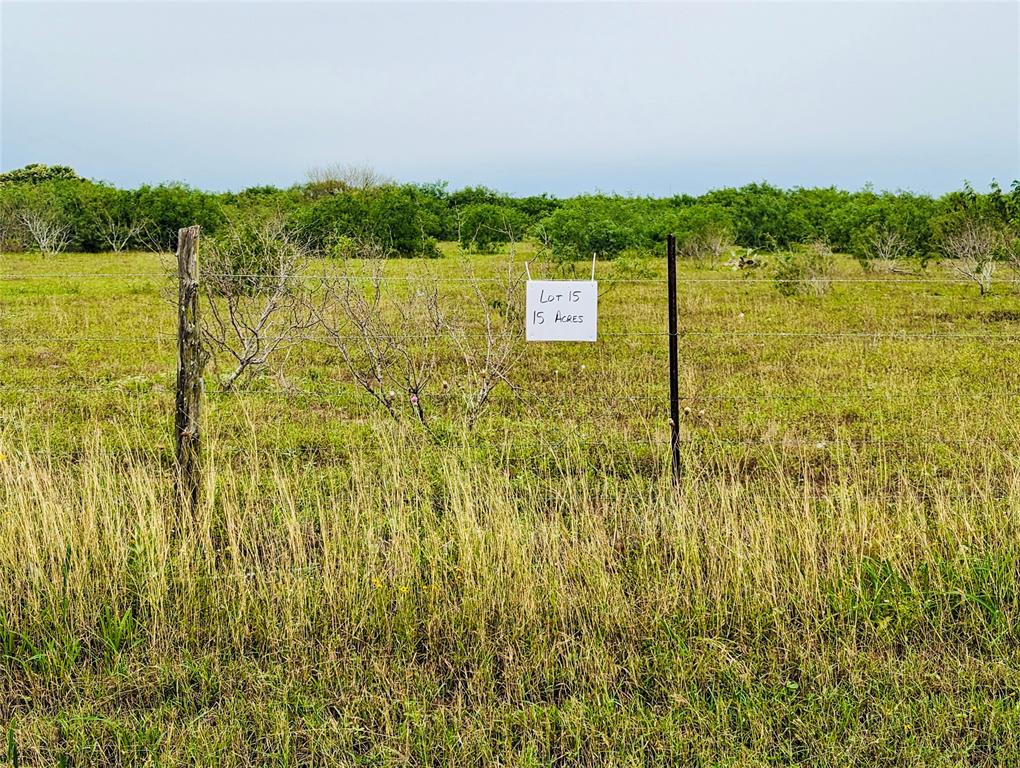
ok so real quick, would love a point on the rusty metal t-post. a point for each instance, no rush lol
(674, 366)
(190, 360)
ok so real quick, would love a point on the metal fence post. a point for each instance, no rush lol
(674, 367)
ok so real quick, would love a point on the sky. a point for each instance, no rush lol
(651, 99)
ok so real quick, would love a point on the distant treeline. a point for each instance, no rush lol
(39, 202)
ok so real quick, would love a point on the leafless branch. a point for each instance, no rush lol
(118, 232)
(388, 338)
(339, 177)
(250, 281)
(973, 248)
(708, 245)
(46, 228)
(488, 357)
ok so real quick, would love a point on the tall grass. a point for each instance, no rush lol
(422, 606)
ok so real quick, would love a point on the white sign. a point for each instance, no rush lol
(562, 310)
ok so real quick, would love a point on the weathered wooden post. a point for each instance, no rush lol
(190, 361)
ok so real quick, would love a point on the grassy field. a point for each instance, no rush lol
(835, 582)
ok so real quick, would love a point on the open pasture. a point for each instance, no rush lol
(834, 581)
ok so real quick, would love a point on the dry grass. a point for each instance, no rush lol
(420, 608)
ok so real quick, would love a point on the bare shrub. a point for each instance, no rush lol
(707, 245)
(1011, 252)
(46, 228)
(881, 248)
(973, 249)
(251, 279)
(338, 177)
(392, 336)
(387, 337)
(805, 269)
(489, 338)
(119, 230)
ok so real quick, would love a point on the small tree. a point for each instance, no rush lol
(973, 248)
(387, 339)
(578, 230)
(1011, 252)
(251, 273)
(392, 337)
(38, 173)
(491, 350)
(47, 228)
(708, 244)
(880, 246)
(119, 233)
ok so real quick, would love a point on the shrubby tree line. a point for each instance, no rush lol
(51, 208)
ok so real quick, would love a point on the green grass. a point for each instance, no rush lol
(834, 583)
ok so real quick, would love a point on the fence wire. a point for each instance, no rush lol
(647, 408)
(444, 279)
(682, 333)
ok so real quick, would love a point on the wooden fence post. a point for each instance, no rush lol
(190, 361)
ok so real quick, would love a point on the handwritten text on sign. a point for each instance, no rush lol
(562, 310)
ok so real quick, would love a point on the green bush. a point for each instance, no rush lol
(483, 226)
(577, 230)
(169, 207)
(763, 216)
(67, 204)
(702, 231)
(403, 219)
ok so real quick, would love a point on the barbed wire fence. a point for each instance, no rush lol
(640, 416)
(635, 416)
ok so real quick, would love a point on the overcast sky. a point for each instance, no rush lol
(653, 98)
